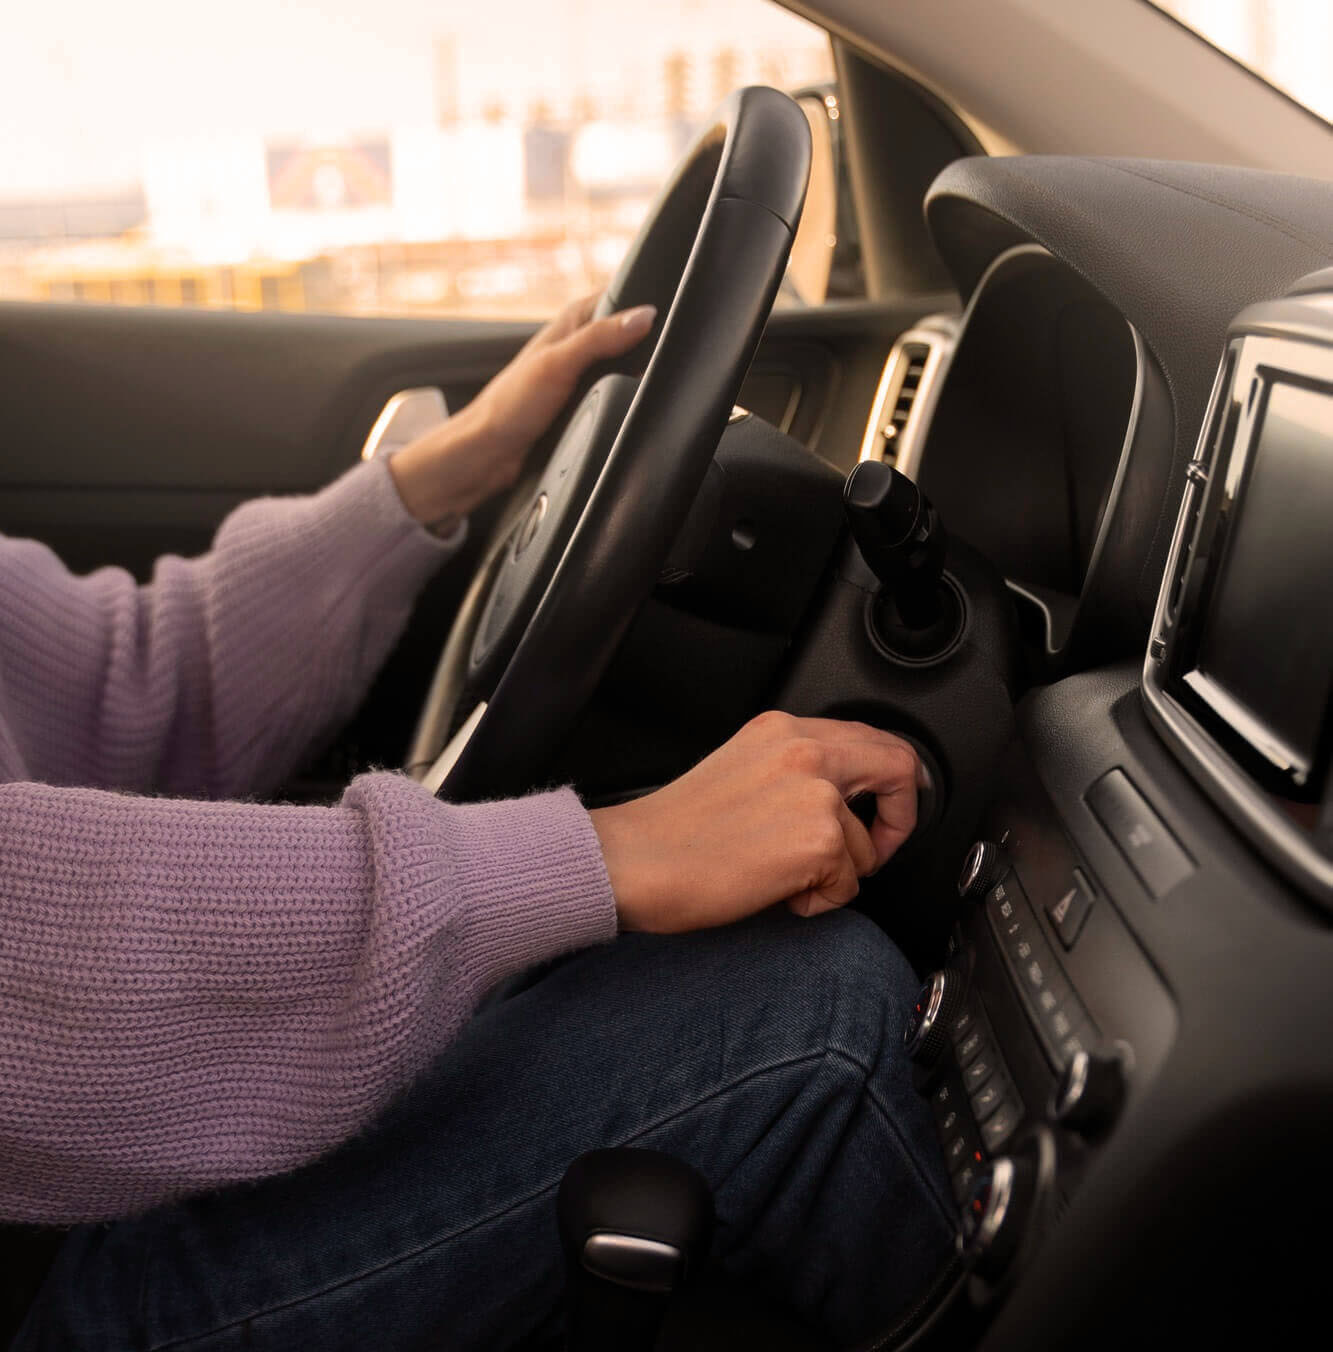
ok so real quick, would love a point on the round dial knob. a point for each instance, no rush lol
(996, 1214)
(927, 1032)
(1090, 1092)
(984, 866)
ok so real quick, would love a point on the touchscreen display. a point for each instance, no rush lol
(1267, 643)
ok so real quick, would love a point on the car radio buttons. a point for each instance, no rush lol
(1061, 1021)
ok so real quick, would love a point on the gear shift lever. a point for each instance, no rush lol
(918, 614)
(900, 537)
(633, 1225)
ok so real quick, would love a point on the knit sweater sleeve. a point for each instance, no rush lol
(196, 993)
(215, 678)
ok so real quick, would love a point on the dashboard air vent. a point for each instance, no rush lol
(906, 395)
(914, 354)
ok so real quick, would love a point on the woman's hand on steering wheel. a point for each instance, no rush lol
(480, 450)
(763, 819)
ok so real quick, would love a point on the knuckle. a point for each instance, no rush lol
(827, 841)
(771, 723)
(801, 756)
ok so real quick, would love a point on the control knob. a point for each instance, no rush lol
(927, 1032)
(985, 865)
(1090, 1092)
(996, 1214)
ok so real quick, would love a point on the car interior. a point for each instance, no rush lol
(1051, 499)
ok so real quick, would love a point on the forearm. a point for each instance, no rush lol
(216, 677)
(193, 994)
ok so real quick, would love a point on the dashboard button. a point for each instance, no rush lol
(960, 1026)
(978, 1072)
(1005, 899)
(1014, 935)
(970, 1046)
(1048, 1002)
(999, 1126)
(1141, 835)
(963, 1181)
(1071, 910)
(1080, 1040)
(956, 1151)
(987, 1099)
(1036, 972)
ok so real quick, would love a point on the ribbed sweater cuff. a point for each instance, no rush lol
(363, 509)
(535, 883)
(525, 877)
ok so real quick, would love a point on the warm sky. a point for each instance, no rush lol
(85, 84)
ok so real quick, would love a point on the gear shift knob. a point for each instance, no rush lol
(633, 1225)
(900, 536)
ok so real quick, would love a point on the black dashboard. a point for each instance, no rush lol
(1127, 1046)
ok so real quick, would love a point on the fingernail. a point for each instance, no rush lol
(640, 317)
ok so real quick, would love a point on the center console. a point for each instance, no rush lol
(1089, 916)
(1030, 1038)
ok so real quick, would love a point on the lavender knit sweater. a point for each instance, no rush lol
(195, 992)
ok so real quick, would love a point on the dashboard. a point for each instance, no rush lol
(1126, 1043)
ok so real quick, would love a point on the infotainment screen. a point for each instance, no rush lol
(1264, 660)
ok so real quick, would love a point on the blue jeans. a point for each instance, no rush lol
(767, 1054)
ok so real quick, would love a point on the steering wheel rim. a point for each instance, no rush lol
(711, 255)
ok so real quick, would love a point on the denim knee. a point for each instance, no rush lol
(834, 981)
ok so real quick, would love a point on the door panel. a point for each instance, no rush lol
(130, 432)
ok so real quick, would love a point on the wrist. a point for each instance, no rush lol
(422, 471)
(628, 857)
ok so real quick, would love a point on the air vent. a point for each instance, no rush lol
(906, 394)
(914, 354)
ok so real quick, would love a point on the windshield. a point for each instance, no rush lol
(1289, 43)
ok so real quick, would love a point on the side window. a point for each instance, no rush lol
(410, 157)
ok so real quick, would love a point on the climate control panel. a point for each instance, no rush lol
(1028, 1043)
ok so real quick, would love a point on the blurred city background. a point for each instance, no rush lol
(400, 156)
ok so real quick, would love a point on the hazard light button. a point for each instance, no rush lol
(1070, 909)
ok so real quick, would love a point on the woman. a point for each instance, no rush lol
(242, 1050)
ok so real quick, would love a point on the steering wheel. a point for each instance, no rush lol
(549, 606)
